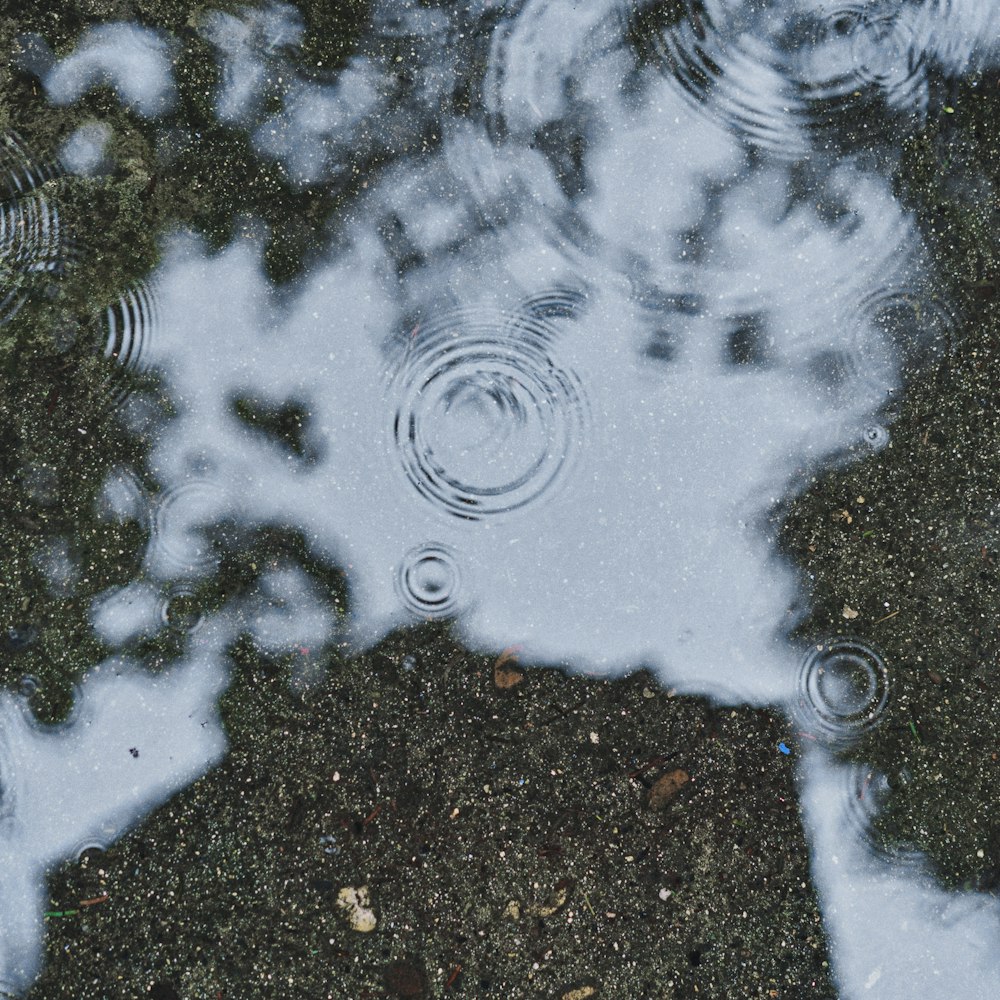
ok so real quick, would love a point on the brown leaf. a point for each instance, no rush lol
(506, 677)
(665, 788)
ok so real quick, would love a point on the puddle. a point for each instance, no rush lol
(132, 741)
(580, 304)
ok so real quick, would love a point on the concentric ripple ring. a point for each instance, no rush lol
(429, 581)
(843, 689)
(486, 419)
(776, 75)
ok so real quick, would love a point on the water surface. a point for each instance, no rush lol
(589, 297)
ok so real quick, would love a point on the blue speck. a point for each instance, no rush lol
(783, 748)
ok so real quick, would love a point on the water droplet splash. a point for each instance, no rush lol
(91, 850)
(866, 793)
(128, 326)
(429, 582)
(178, 546)
(875, 436)
(843, 689)
(487, 419)
(903, 323)
(180, 611)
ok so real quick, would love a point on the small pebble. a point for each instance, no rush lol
(356, 903)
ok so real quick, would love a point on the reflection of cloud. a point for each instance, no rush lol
(360, 110)
(895, 935)
(248, 47)
(83, 151)
(961, 35)
(289, 613)
(319, 125)
(135, 61)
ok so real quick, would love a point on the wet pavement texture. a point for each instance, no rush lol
(499, 499)
(517, 839)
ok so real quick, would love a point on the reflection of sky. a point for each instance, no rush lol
(134, 61)
(896, 934)
(719, 336)
(648, 551)
(133, 741)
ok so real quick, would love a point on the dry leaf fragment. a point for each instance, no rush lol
(506, 674)
(507, 677)
(558, 898)
(665, 788)
(580, 993)
(849, 613)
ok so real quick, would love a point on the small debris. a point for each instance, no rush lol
(513, 909)
(849, 613)
(579, 992)
(453, 978)
(558, 898)
(356, 903)
(506, 678)
(784, 749)
(134, 751)
(506, 674)
(843, 515)
(665, 788)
